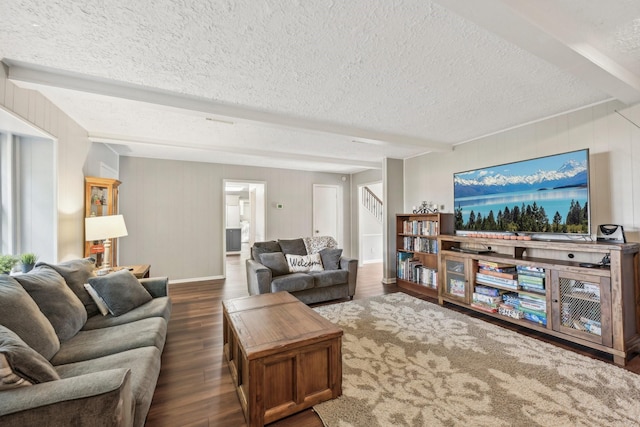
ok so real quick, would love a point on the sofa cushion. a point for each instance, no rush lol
(55, 299)
(276, 262)
(329, 277)
(293, 246)
(102, 306)
(15, 306)
(259, 248)
(331, 258)
(145, 367)
(157, 307)
(76, 273)
(292, 282)
(304, 263)
(105, 341)
(121, 291)
(21, 365)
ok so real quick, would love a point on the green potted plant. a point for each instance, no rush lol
(28, 261)
(7, 262)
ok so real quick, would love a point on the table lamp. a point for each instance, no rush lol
(105, 228)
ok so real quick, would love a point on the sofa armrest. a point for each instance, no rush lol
(258, 278)
(157, 286)
(80, 401)
(350, 264)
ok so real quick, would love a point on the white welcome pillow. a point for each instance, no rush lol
(303, 263)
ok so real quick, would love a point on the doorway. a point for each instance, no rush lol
(245, 211)
(327, 211)
(370, 229)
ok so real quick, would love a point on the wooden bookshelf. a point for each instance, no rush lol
(417, 250)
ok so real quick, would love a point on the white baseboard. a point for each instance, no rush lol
(196, 279)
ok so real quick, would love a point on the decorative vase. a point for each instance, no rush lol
(27, 267)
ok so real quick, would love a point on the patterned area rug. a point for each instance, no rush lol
(408, 362)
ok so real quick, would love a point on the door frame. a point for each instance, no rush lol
(339, 211)
(226, 181)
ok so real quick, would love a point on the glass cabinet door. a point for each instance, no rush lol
(101, 198)
(456, 284)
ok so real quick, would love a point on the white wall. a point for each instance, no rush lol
(370, 228)
(358, 179)
(71, 146)
(174, 212)
(36, 197)
(614, 145)
(393, 172)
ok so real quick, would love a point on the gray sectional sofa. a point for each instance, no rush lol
(328, 275)
(64, 363)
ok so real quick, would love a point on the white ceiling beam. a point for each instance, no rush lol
(33, 74)
(546, 33)
(123, 140)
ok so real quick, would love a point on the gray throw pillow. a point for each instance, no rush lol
(121, 291)
(76, 273)
(331, 258)
(20, 313)
(276, 262)
(293, 247)
(260, 248)
(55, 300)
(24, 362)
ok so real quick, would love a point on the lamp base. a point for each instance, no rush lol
(103, 271)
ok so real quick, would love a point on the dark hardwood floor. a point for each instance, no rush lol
(194, 387)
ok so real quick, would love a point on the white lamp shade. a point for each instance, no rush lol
(104, 227)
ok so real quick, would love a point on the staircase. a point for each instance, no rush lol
(372, 203)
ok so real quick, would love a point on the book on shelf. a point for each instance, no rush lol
(524, 278)
(510, 311)
(421, 227)
(488, 290)
(492, 272)
(484, 307)
(486, 299)
(535, 318)
(498, 266)
(532, 306)
(534, 271)
(538, 313)
(532, 289)
(420, 244)
(492, 280)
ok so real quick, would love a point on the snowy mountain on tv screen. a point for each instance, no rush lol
(502, 179)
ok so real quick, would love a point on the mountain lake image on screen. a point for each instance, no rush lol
(544, 195)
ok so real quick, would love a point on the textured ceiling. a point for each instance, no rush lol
(301, 80)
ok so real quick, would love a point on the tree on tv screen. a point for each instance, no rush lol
(526, 218)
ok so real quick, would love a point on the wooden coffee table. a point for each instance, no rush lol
(283, 356)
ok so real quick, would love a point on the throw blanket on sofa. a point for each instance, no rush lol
(318, 243)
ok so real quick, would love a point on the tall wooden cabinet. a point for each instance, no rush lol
(549, 286)
(100, 198)
(417, 250)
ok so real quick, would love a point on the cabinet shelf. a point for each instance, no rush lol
(417, 270)
(595, 307)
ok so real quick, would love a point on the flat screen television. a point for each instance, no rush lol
(543, 195)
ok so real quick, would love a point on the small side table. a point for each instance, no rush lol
(140, 271)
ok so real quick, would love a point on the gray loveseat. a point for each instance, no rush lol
(332, 276)
(63, 363)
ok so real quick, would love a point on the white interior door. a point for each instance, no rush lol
(326, 208)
